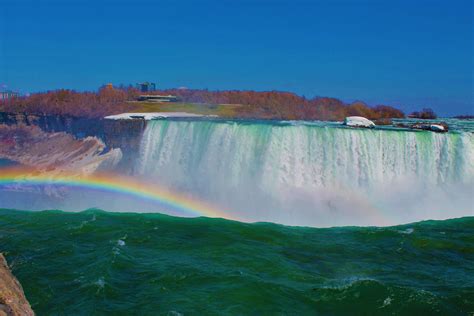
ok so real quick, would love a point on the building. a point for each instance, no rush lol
(8, 94)
(146, 86)
(158, 98)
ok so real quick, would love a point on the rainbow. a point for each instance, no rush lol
(116, 184)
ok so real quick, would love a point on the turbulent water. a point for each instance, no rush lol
(97, 263)
(307, 174)
(313, 174)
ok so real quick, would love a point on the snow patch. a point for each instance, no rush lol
(358, 121)
(154, 115)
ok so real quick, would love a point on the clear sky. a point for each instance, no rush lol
(404, 53)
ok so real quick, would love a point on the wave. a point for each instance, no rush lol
(87, 258)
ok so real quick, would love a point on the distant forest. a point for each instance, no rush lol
(286, 105)
(262, 105)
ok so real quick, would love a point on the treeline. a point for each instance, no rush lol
(464, 117)
(425, 114)
(251, 104)
(106, 101)
(285, 105)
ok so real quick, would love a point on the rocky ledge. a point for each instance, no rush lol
(12, 298)
(55, 152)
(438, 127)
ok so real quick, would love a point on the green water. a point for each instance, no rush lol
(94, 263)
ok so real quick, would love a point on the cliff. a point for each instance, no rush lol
(58, 152)
(116, 134)
(12, 298)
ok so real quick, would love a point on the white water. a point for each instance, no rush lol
(312, 175)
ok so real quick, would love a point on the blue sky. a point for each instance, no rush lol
(409, 54)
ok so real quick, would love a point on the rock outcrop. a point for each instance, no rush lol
(55, 152)
(12, 299)
(116, 134)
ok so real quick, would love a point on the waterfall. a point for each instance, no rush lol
(313, 175)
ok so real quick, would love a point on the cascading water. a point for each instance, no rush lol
(313, 175)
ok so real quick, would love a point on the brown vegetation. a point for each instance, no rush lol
(425, 114)
(284, 105)
(106, 101)
(252, 104)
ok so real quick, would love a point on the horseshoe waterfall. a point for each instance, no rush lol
(312, 174)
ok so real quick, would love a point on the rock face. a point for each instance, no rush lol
(116, 134)
(54, 152)
(12, 298)
(358, 121)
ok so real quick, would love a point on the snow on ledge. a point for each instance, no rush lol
(154, 115)
(358, 121)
